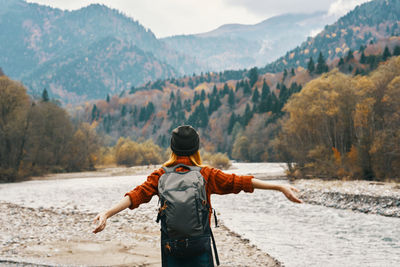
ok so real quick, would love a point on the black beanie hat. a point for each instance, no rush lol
(185, 140)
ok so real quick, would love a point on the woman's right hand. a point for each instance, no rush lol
(101, 220)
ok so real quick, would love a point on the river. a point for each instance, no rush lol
(295, 234)
(309, 235)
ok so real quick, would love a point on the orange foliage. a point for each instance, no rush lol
(337, 156)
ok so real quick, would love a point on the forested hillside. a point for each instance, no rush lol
(240, 117)
(366, 24)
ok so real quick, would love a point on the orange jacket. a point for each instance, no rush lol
(218, 182)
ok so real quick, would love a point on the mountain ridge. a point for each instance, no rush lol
(239, 46)
(34, 34)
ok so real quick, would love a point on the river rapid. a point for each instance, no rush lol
(294, 234)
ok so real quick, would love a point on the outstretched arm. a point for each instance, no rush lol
(287, 190)
(102, 217)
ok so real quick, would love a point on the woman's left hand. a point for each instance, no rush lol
(287, 190)
(101, 220)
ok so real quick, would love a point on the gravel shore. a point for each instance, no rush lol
(363, 196)
(49, 223)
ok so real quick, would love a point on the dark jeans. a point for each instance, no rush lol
(198, 255)
(203, 260)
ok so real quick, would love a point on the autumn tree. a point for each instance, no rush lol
(14, 108)
(85, 143)
(339, 125)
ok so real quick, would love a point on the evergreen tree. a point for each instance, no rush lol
(311, 66)
(341, 62)
(171, 111)
(45, 95)
(349, 56)
(142, 114)
(265, 95)
(196, 97)
(237, 87)
(215, 103)
(284, 75)
(256, 96)
(94, 112)
(226, 89)
(253, 76)
(123, 111)
(202, 95)
(386, 54)
(283, 94)
(215, 91)
(178, 103)
(232, 122)
(363, 59)
(248, 114)
(199, 118)
(246, 88)
(172, 96)
(321, 65)
(108, 98)
(231, 99)
(292, 72)
(396, 51)
(149, 110)
(265, 91)
(275, 106)
(187, 105)
(190, 83)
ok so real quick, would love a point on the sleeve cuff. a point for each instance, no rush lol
(247, 183)
(132, 206)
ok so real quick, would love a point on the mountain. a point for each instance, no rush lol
(238, 46)
(239, 111)
(39, 44)
(366, 24)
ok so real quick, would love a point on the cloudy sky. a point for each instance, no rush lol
(172, 17)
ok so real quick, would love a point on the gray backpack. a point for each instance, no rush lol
(184, 212)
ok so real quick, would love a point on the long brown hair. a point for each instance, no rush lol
(194, 158)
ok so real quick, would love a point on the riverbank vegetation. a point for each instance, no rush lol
(344, 126)
(37, 136)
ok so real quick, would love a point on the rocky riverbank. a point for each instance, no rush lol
(363, 196)
(49, 223)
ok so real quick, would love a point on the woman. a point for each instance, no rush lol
(185, 153)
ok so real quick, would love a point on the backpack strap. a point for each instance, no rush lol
(214, 247)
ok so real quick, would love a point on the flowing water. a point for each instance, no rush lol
(310, 235)
(297, 235)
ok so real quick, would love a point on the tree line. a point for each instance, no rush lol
(344, 126)
(37, 136)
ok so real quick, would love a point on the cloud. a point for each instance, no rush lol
(171, 17)
(272, 7)
(341, 7)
